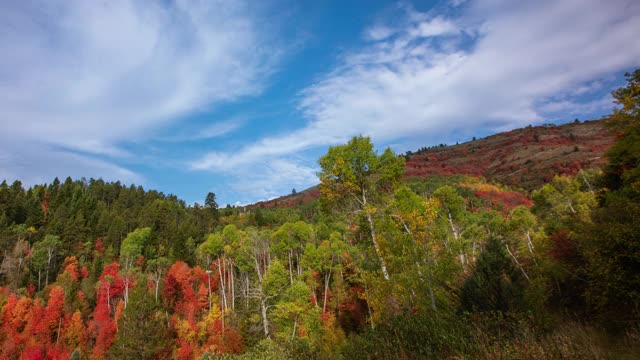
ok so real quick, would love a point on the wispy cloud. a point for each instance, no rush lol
(495, 65)
(268, 183)
(89, 76)
(34, 165)
(213, 130)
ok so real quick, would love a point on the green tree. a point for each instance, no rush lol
(211, 204)
(142, 328)
(52, 245)
(623, 169)
(417, 246)
(495, 285)
(610, 241)
(132, 246)
(289, 240)
(454, 218)
(355, 178)
(611, 248)
(130, 251)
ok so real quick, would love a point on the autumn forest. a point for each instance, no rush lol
(385, 259)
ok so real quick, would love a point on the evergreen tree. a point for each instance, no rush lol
(496, 284)
(142, 328)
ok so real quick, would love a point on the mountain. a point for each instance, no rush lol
(523, 158)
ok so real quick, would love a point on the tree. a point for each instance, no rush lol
(38, 260)
(210, 201)
(417, 216)
(157, 266)
(211, 204)
(357, 179)
(623, 170)
(130, 251)
(142, 329)
(610, 242)
(289, 241)
(75, 333)
(51, 244)
(495, 285)
(454, 218)
(14, 263)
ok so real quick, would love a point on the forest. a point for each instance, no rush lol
(379, 267)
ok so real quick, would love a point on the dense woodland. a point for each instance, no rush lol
(380, 267)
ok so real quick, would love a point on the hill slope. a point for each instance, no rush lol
(523, 158)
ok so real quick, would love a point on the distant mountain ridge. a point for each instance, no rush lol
(523, 158)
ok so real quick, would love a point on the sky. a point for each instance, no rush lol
(241, 98)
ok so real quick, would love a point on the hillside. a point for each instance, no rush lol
(522, 158)
(525, 158)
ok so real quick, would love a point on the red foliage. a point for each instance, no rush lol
(33, 353)
(353, 310)
(84, 272)
(70, 266)
(53, 312)
(100, 246)
(103, 326)
(232, 342)
(45, 203)
(185, 350)
(563, 248)
(178, 291)
(504, 201)
(31, 289)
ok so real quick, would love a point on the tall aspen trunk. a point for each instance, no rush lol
(290, 268)
(517, 263)
(233, 289)
(263, 302)
(222, 289)
(326, 288)
(383, 265)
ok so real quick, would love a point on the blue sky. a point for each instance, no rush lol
(241, 98)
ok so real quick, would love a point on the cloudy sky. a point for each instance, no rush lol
(241, 98)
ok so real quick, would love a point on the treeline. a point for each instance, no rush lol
(79, 212)
(379, 268)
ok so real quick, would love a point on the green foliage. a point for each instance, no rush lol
(496, 284)
(562, 203)
(133, 244)
(213, 246)
(142, 328)
(276, 279)
(353, 171)
(622, 173)
(611, 248)
(413, 337)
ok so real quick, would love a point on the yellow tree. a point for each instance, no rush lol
(357, 180)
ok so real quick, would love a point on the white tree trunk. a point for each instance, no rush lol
(383, 265)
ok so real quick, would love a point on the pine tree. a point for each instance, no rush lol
(142, 329)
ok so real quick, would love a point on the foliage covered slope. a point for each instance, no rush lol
(523, 158)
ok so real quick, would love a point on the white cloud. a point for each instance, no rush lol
(434, 27)
(496, 66)
(379, 33)
(456, 3)
(214, 130)
(275, 178)
(566, 108)
(88, 76)
(36, 164)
